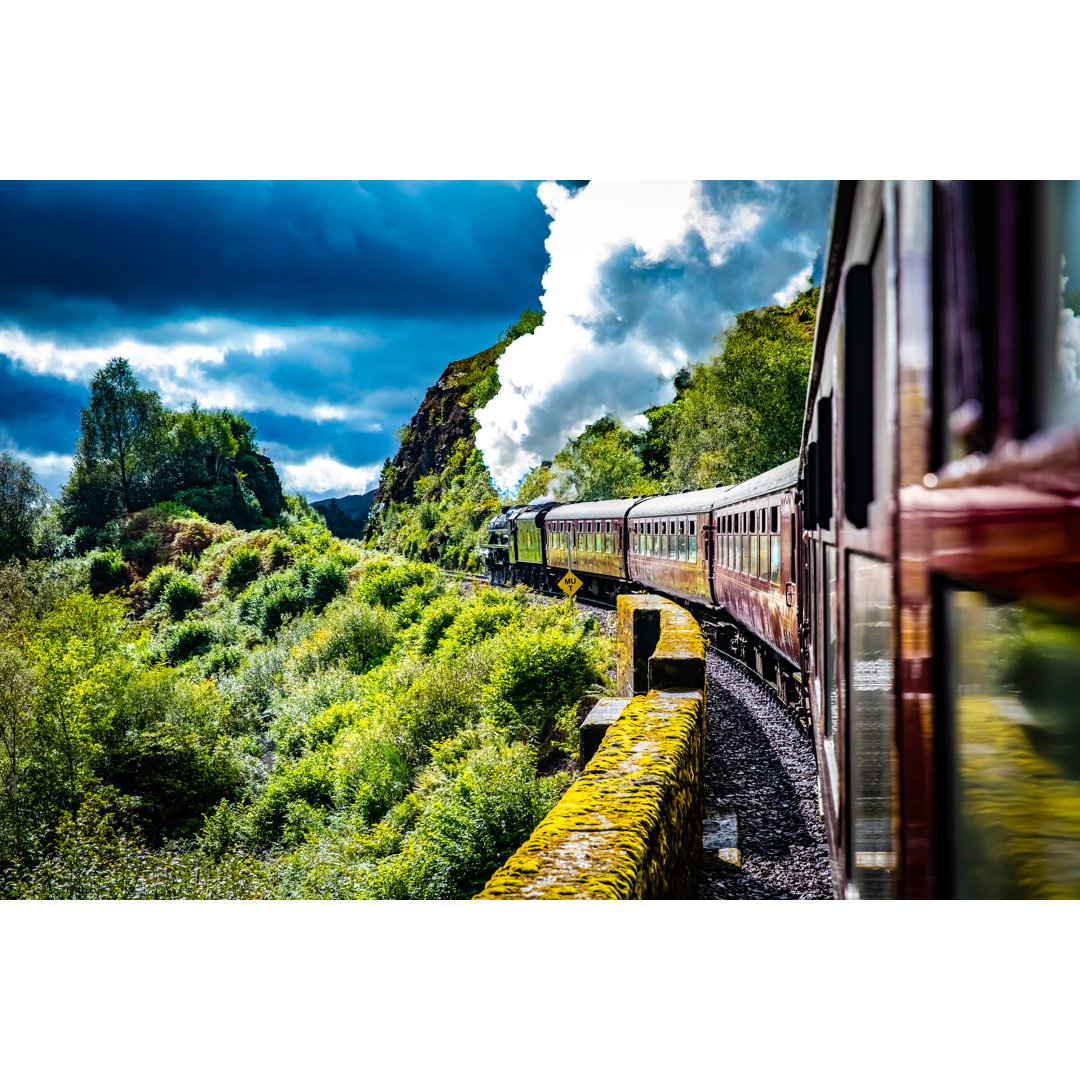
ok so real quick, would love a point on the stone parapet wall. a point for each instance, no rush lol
(630, 826)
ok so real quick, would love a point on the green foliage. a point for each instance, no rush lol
(92, 858)
(108, 571)
(741, 412)
(385, 582)
(309, 584)
(187, 640)
(438, 616)
(22, 502)
(535, 673)
(158, 580)
(470, 827)
(180, 594)
(241, 568)
(603, 462)
(133, 453)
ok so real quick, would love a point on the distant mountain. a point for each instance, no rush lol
(347, 516)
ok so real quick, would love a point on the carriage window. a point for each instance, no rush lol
(774, 559)
(763, 558)
(752, 568)
(693, 526)
(1016, 749)
(753, 521)
(775, 524)
(607, 537)
(872, 762)
(682, 547)
(1061, 304)
(692, 548)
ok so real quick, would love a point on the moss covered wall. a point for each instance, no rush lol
(630, 826)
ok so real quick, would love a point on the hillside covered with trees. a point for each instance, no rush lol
(211, 696)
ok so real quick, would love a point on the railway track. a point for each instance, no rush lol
(764, 836)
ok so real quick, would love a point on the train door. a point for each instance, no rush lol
(867, 420)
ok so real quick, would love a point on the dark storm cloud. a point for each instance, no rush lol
(38, 415)
(76, 254)
(322, 311)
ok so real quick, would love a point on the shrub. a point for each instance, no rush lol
(92, 859)
(534, 674)
(349, 633)
(187, 640)
(280, 552)
(108, 571)
(437, 618)
(306, 585)
(468, 829)
(157, 581)
(385, 583)
(180, 594)
(241, 568)
(295, 786)
(481, 617)
(294, 735)
(176, 777)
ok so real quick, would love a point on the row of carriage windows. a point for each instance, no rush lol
(601, 536)
(749, 543)
(667, 538)
(748, 540)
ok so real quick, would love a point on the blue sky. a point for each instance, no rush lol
(321, 310)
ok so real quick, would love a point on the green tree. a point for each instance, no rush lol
(22, 500)
(603, 462)
(117, 431)
(741, 412)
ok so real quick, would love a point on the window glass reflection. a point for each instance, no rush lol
(1017, 750)
(1063, 402)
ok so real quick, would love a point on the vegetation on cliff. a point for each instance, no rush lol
(436, 496)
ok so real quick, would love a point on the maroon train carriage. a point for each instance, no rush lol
(589, 539)
(754, 527)
(940, 578)
(668, 545)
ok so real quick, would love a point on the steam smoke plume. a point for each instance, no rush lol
(642, 278)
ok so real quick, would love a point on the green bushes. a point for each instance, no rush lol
(91, 858)
(187, 640)
(241, 568)
(469, 827)
(386, 583)
(180, 594)
(108, 571)
(534, 674)
(309, 584)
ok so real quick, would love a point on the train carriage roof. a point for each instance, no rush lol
(530, 511)
(686, 502)
(608, 508)
(783, 476)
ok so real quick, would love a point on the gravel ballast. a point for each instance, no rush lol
(759, 765)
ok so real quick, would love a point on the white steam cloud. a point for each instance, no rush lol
(324, 476)
(642, 278)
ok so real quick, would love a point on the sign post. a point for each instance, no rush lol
(570, 583)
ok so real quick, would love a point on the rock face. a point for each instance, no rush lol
(445, 418)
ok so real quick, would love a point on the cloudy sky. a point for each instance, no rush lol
(323, 311)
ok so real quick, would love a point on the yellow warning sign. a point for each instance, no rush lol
(570, 583)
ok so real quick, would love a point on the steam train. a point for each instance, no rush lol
(910, 585)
